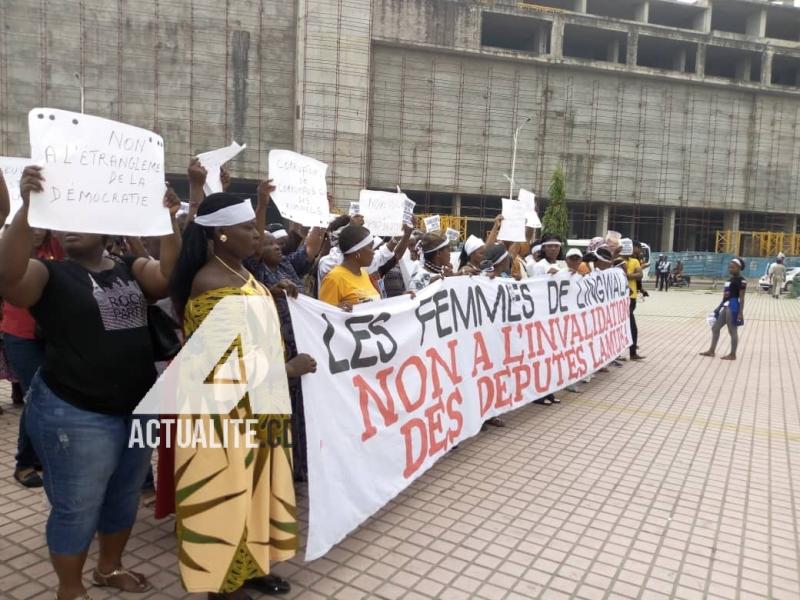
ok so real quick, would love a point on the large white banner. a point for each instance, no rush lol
(100, 176)
(399, 383)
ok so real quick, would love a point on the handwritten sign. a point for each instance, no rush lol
(528, 200)
(101, 176)
(213, 161)
(354, 209)
(433, 224)
(301, 193)
(452, 234)
(512, 229)
(12, 169)
(382, 211)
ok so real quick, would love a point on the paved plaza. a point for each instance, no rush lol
(678, 477)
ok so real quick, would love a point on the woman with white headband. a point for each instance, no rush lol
(254, 492)
(472, 254)
(552, 262)
(349, 283)
(730, 311)
(435, 251)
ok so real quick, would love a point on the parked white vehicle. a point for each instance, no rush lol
(791, 273)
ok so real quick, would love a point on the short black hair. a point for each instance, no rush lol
(637, 244)
(352, 235)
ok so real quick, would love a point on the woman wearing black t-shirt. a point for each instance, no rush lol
(730, 311)
(92, 311)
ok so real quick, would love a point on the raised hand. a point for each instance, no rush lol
(197, 173)
(31, 181)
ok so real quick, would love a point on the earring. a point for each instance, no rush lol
(223, 238)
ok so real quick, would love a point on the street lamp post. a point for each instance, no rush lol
(514, 157)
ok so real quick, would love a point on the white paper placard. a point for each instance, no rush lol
(101, 176)
(528, 200)
(452, 235)
(382, 212)
(355, 209)
(213, 161)
(12, 168)
(301, 193)
(433, 224)
(512, 228)
(408, 212)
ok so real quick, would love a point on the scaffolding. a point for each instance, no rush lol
(447, 222)
(758, 243)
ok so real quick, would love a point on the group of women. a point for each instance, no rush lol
(76, 330)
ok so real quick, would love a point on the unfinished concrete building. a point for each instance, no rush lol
(673, 119)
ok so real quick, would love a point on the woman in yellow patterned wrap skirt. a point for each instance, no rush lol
(235, 505)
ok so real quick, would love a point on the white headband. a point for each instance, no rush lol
(279, 233)
(362, 244)
(230, 215)
(738, 262)
(439, 247)
(552, 243)
(501, 259)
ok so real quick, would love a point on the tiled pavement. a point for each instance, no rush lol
(673, 478)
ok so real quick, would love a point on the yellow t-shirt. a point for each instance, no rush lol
(632, 265)
(340, 285)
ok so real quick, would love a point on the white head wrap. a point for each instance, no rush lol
(472, 245)
(360, 245)
(230, 215)
(278, 234)
(536, 249)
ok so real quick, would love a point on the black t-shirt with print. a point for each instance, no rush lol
(98, 354)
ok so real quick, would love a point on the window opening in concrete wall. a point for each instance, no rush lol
(733, 63)
(513, 32)
(671, 55)
(696, 229)
(783, 23)
(731, 16)
(595, 44)
(786, 70)
(616, 9)
(670, 14)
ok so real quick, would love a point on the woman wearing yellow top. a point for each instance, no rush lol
(349, 283)
(235, 506)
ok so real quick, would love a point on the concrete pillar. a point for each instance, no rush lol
(457, 205)
(730, 221)
(579, 5)
(603, 214)
(557, 37)
(679, 61)
(757, 23)
(668, 231)
(643, 12)
(633, 48)
(612, 53)
(766, 67)
(790, 224)
(702, 21)
(700, 64)
(540, 39)
(744, 67)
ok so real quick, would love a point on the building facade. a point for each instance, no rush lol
(672, 119)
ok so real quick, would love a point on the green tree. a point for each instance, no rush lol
(556, 218)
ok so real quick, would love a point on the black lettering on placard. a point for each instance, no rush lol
(529, 308)
(440, 309)
(334, 366)
(359, 336)
(461, 319)
(499, 304)
(379, 330)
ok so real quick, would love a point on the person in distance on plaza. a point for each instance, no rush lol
(258, 491)
(633, 271)
(349, 283)
(98, 366)
(777, 275)
(639, 255)
(663, 268)
(730, 311)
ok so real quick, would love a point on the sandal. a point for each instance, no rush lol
(271, 585)
(127, 581)
(31, 480)
(84, 597)
(496, 422)
(239, 594)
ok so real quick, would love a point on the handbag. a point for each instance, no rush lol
(163, 337)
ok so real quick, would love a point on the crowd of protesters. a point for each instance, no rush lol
(84, 369)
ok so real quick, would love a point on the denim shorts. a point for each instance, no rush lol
(92, 477)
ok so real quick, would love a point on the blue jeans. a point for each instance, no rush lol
(25, 357)
(92, 477)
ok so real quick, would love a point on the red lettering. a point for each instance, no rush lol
(454, 414)
(434, 416)
(502, 399)
(485, 394)
(386, 409)
(542, 387)
(507, 359)
(519, 382)
(422, 373)
(481, 356)
(451, 369)
(414, 460)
